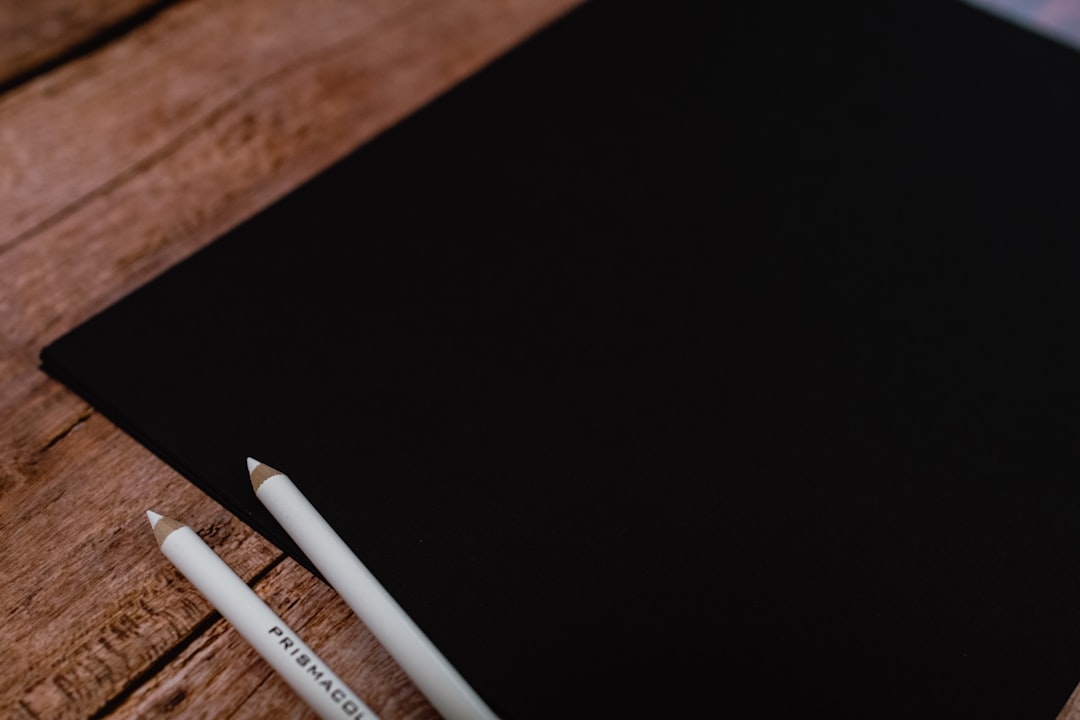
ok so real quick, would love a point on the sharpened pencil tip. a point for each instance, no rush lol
(162, 525)
(260, 473)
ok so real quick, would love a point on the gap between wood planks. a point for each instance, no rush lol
(75, 43)
(163, 662)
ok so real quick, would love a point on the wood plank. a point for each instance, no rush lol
(37, 32)
(86, 602)
(1071, 710)
(203, 63)
(112, 169)
(139, 97)
(147, 193)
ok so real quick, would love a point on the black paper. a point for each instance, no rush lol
(673, 363)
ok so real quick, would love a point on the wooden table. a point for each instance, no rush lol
(133, 133)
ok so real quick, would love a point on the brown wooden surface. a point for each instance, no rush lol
(116, 162)
(35, 34)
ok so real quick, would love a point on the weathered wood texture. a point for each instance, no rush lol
(1071, 711)
(112, 168)
(34, 33)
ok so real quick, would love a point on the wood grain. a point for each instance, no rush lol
(113, 168)
(38, 32)
(1071, 710)
(192, 154)
(85, 600)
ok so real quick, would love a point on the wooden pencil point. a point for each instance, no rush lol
(260, 473)
(163, 526)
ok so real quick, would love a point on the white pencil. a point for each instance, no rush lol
(436, 678)
(279, 645)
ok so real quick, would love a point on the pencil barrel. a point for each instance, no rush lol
(260, 626)
(443, 686)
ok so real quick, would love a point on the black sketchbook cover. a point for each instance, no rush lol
(673, 362)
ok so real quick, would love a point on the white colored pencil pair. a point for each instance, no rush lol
(298, 665)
